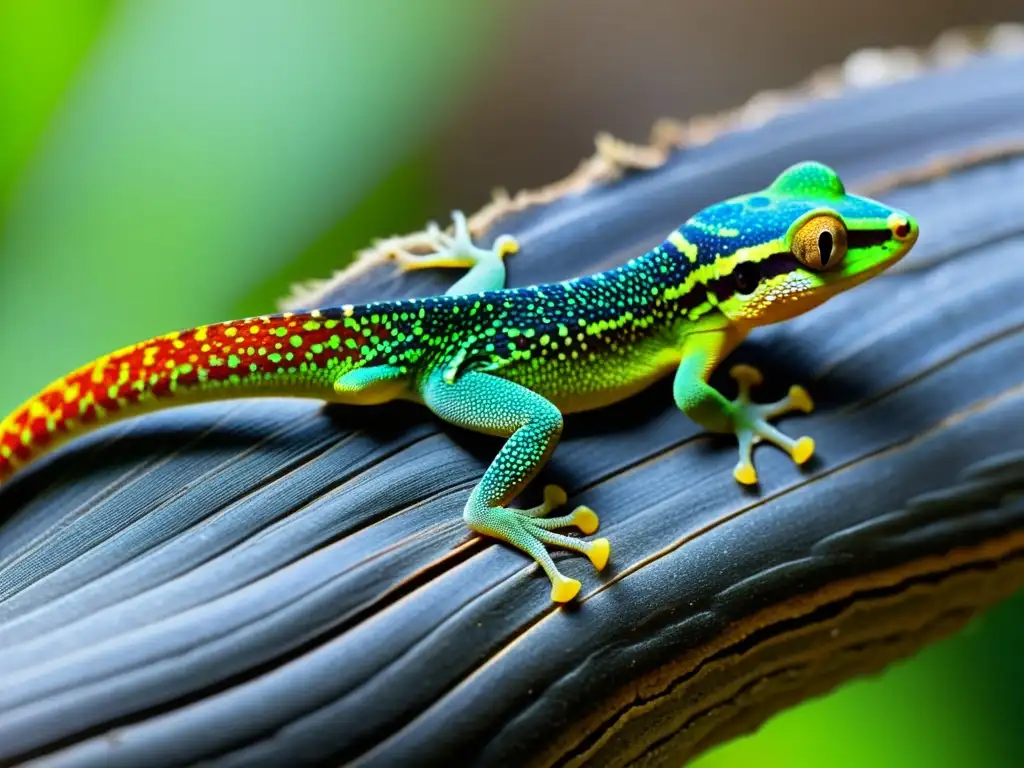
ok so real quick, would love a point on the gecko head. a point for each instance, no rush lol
(774, 254)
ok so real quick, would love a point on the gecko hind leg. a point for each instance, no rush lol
(752, 424)
(532, 424)
(486, 265)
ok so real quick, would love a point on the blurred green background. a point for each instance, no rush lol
(164, 164)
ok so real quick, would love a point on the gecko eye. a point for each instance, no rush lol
(820, 244)
(746, 277)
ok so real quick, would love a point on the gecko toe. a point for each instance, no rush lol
(803, 450)
(599, 552)
(745, 473)
(564, 589)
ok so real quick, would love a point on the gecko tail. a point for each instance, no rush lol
(292, 354)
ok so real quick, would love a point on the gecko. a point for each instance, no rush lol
(510, 361)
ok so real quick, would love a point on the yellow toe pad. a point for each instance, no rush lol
(564, 590)
(585, 519)
(803, 450)
(747, 374)
(801, 399)
(554, 496)
(600, 550)
(745, 473)
(508, 247)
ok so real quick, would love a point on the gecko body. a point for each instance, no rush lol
(512, 361)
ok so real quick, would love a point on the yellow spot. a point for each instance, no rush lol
(98, 370)
(71, 393)
(347, 310)
(200, 334)
(683, 246)
(229, 332)
(254, 329)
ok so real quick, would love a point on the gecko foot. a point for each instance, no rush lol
(531, 531)
(456, 250)
(751, 420)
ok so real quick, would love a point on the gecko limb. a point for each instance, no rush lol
(485, 403)
(742, 417)
(486, 265)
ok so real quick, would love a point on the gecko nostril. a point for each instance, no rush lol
(900, 227)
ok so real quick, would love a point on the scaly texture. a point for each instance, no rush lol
(286, 354)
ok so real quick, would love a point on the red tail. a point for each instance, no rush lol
(290, 354)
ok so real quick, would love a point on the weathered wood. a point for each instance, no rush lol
(272, 580)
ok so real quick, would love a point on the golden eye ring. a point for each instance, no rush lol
(820, 243)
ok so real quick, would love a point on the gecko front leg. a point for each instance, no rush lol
(486, 265)
(492, 405)
(742, 417)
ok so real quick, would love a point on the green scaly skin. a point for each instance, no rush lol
(512, 361)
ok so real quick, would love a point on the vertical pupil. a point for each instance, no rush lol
(825, 246)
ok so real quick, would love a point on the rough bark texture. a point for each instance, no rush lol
(273, 581)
